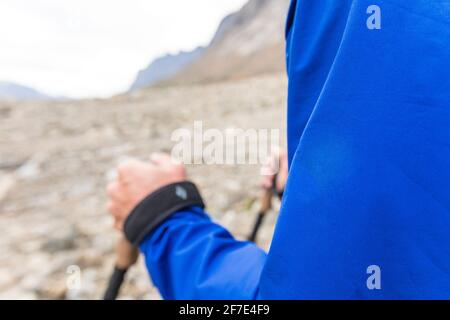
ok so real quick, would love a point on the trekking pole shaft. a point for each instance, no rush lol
(258, 223)
(127, 256)
(266, 205)
(115, 282)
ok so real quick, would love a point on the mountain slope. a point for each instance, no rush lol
(247, 43)
(164, 68)
(16, 92)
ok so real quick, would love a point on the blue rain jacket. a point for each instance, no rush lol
(369, 181)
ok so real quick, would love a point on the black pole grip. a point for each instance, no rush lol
(115, 283)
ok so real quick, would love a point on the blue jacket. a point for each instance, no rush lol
(369, 181)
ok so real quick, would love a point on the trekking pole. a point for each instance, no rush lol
(126, 256)
(266, 205)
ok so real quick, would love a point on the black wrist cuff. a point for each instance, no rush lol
(158, 207)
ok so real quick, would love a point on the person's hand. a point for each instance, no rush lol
(136, 180)
(277, 165)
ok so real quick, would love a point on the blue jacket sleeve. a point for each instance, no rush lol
(190, 257)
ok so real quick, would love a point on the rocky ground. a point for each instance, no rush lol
(56, 158)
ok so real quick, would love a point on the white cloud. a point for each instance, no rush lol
(92, 48)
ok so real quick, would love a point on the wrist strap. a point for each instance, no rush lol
(158, 207)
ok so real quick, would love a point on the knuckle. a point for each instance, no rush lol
(111, 189)
(123, 168)
(110, 207)
(179, 168)
(127, 165)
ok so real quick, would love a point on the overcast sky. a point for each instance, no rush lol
(94, 48)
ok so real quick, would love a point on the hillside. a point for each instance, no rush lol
(247, 43)
(165, 67)
(15, 92)
(54, 169)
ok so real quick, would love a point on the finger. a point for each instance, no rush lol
(280, 183)
(159, 158)
(283, 156)
(266, 184)
(117, 210)
(267, 171)
(113, 209)
(267, 181)
(283, 173)
(112, 189)
(126, 167)
(114, 192)
(122, 172)
(118, 225)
